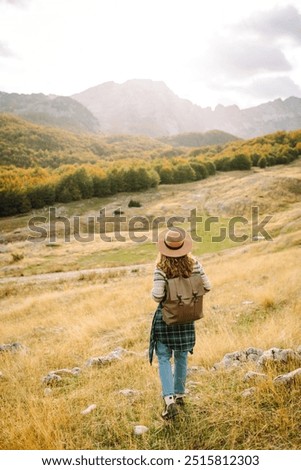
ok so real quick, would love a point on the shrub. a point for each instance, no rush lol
(210, 167)
(134, 203)
(241, 162)
(262, 162)
(17, 257)
(200, 170)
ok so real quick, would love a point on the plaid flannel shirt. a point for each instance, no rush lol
(177, 337)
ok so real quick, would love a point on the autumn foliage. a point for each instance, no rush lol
(40, 166)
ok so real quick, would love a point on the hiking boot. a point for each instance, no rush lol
(170, 411)
(180, 401)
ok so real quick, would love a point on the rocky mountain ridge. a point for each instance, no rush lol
(146, 107)
(51, 110)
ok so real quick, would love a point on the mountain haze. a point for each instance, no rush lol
(58, 111)
(150, 107)
(146, 107)
(140, 107)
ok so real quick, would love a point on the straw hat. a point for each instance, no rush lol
(174, 242)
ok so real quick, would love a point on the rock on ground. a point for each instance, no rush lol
(288, 379)
(103, 360)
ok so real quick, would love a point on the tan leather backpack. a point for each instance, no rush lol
(184, 300)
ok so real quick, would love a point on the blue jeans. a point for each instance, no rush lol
(172, 383)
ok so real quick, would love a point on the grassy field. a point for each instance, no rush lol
(255, 302)
(64, 250)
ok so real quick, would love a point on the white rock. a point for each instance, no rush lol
(269, 356)
(235, 356)
(127, 392)
(248, 392)
(254, 376)
(140, 429)
(103, 360)
(287, 355)
(289, 378)
(47, 391)
(253, 357)
(253, 352)
(51, 379)
(74, 371)
(89, 409)
(11, 347)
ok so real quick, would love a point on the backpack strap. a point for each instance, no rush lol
(197, 285)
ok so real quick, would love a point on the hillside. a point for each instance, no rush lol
(275, 191)
(57, 111)
(40, 166)
(68, 344)
(198, 139)
(38, 143)
(25, 144)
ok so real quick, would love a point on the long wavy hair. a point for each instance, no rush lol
(174, 267)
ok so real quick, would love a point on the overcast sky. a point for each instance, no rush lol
(208, 51)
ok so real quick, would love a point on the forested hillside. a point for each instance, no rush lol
(199, 139)
(40, 166)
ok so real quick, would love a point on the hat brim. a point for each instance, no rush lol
(172, 253)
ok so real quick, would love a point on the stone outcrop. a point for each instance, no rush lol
(261, 358)
(293, 377)
(115, 355)
(238, 358)
(11, 347)
(55, 376)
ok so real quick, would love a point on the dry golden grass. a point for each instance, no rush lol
(66, 325)
(255, 301)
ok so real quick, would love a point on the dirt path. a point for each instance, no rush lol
(68, 275)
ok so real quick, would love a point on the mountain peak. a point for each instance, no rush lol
(149, 107)
(138, 106)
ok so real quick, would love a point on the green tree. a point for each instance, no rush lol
(101, 186)
(262, 162)
(84, 183)
(166, 174)
(183, 173)
(210, 167)
(13, 201)
(223, 164)
(200, 170)
(255, 157)
(241, 162)
(41, 195)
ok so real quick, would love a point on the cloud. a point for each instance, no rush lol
(14, 2)
(5, 51)
(253, 58)
(230, 59)
(275, 24)
(273, 87)
(246, 57)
